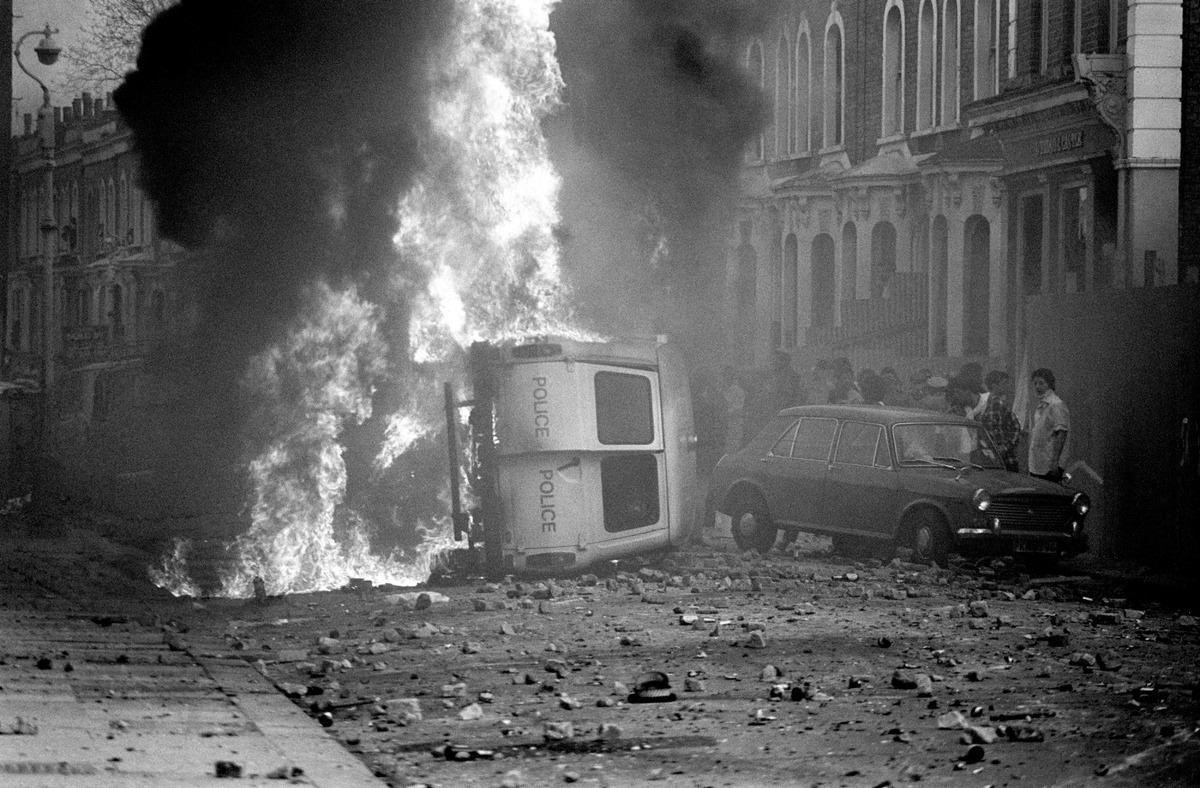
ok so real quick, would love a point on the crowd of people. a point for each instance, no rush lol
(730, 408)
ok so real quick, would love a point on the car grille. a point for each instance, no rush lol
(1033, 512)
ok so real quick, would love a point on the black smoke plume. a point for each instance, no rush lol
(660, 111)
(276, 137)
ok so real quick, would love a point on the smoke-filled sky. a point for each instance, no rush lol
(282, 143)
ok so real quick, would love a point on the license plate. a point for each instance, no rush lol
(1021, 546)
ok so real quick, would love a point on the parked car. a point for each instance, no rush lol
(875, 476)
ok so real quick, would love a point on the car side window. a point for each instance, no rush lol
(814, 439)
(859, 443)
(783, 446)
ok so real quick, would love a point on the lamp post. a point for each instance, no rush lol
(47, 51)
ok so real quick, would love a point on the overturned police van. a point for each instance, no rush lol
(579, 452)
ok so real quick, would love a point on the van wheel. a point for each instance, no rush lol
(752, 526)
(929, 539)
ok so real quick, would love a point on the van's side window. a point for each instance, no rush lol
(624, 409)
(629, 489)
(814, 439)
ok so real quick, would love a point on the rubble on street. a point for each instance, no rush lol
(707, 667)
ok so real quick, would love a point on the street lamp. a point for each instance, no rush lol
(47, 51)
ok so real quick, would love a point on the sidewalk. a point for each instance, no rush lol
(92, 693)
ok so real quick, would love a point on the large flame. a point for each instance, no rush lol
(477, 227)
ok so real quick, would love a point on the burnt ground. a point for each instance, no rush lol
(804, 668)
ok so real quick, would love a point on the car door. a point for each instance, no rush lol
(862, 489)
(799, 480)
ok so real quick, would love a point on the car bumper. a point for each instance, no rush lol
(985, 541)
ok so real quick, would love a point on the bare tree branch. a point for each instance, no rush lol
(108, 42)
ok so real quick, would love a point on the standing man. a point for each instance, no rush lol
(735, 409)
(1051, 423)
(998, 419)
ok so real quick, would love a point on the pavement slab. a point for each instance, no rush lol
(114, 704)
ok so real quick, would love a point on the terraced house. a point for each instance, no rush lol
(116, 296)
(982, 180)
(931, 162)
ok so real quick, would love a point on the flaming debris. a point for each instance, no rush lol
(473, 257)
(368, 190)
(173, 575)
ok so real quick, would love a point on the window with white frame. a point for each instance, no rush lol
(951, 52)
(986, 42)
(834, 82)
(784, 65)
(927, 103)
(803, 90)
(893, 69)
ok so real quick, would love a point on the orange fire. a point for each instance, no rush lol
(477, 226)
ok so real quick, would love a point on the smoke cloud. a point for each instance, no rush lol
(342, 168)
(276, 136)
(660, 111)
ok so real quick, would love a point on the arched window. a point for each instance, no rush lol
(849, 261)
(893, 70)
(803, 91)
(784, 73)
(754, 66)
(834, 82)
(951, 52)
(110, 208)
(927, 103)
(822, 281)
(123, 210)
(976, 285)
(987, 40)
(883, 259)
(939, 270)
(135, 210)
(791, 263)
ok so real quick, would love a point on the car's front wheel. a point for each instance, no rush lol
(752, 526)
(928, 537)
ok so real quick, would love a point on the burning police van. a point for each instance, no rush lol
(580, 452)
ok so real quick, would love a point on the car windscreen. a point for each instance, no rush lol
(934, 444)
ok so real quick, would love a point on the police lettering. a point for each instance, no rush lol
(546, 502)
(541, 409)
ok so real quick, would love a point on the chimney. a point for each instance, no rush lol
(67, 114)
(87, 104)
(58, 116)
(28, 123)
(77, 108)
(99, 107)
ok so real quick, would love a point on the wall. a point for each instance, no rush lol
(1128, 367)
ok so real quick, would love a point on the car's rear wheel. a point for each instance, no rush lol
(929, 537)
(752, 526)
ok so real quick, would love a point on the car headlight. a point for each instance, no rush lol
(1081, 504)
(981, 500)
